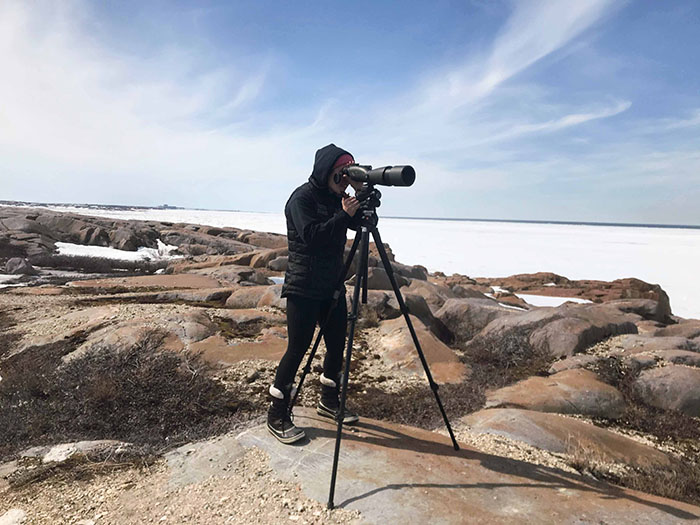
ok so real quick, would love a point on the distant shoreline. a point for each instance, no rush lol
(123, 207)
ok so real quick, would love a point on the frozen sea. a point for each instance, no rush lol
(665, 256)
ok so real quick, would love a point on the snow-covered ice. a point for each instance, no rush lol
(546, 300)
(163, 251)
(665, 256)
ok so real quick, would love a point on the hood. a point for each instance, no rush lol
(323, 164)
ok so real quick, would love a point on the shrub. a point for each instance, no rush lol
(142, 395)
(95, 264)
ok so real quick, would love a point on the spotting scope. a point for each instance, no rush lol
(386, 176)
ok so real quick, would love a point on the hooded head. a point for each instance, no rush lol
(324, 163)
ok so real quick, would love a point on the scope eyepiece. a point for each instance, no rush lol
(385, 176)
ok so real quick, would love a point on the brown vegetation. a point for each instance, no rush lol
(142, 395)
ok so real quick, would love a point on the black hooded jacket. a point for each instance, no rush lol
(316, 232)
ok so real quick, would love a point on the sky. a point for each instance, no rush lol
(521, 110)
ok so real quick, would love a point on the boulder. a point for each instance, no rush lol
(383, 305)
(19, 266)
(464, 318)
(377, 279)
(688, 328)
(263, 239)
(573, 391)
(571, 363)
(433, 294)
(246, 297)
(635, 343)
(417, 306)
(233, 274)
(581, 326)
(177, 281)
(678, 357)
(671, 387)
(410, 272)
(262, 258)
(648, 309)
(397, 349)
(211, 295)
(564, 435)
(278, 264)
(273, 297)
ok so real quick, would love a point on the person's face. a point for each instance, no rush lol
(338, 187)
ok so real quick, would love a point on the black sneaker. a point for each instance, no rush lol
(279, 422)
(329, 406)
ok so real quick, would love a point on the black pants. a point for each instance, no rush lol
(302, 316)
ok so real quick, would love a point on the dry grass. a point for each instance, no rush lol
(679, 480)
(95, 264)
(141, 395)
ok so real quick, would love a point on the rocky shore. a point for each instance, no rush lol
(108, 367)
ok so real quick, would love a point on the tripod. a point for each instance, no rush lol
(368, 225)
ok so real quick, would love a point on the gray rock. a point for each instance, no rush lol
(19, 266)
(689, 328)
(581, 326)
(377, 279)
(278, 264)
(672, 387)
(433, 294)
(568, 392)
(564, 435)
(465, 318)
(418, 306)
(571, 363)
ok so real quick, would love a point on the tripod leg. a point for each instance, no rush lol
(307, 368)
(348, 354)
(404, 310)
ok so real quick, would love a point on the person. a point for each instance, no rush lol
(318, 214)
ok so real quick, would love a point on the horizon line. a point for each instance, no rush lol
(463, 219)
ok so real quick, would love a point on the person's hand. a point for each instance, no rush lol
(350, 205)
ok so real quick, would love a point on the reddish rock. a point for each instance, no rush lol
(262, 258)
(233, 274)
(687, 328)
(211, 295)
(671, 387)
(397, 349)
(246, 297)
(263, 239)
(564, 435)
(150, 281)
(571, 363)
(568, 392)
(272, 297)
(216, 349)
(596, 291)
(635, 343)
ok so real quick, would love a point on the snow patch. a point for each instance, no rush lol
(546, 300)
(162, 252)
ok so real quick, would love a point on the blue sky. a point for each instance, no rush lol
(550, 110)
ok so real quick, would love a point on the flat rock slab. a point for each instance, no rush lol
(271, 346)
(399, 351)
(564, 435)
(397, 474)
(573, 391)
(151, 281)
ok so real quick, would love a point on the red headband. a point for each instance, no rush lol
(344, 159)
